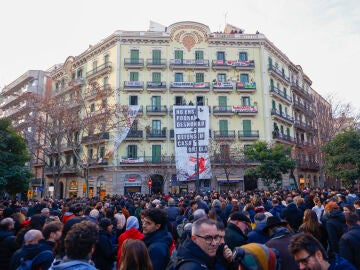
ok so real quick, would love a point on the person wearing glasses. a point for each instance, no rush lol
(199, 251)
(309, 254)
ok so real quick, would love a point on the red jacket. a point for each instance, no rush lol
(132, 233)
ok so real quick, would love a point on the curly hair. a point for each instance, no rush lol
(80, 240)
(159, 216)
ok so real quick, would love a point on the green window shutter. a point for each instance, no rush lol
(134, 76)
(222, 101)
(156, 77)
(134, 54)
(223, 124)
(220, 56)
(199, 77)
(247, 127)
(285, 92)
(270, 61)
(271, 84)
(282, 129)
(288, 132)
(273, 104)
(199, 55)
(132, 151)
(244, 78)
(156, 56)
(178, 77)
(179, 55)
(156, 153)
(280, 108)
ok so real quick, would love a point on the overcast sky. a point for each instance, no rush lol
(323, 36)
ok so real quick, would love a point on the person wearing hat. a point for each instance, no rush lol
(105, 253)
(236, 230)
(281, 235)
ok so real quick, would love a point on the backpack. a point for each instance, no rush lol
(175, 262)
(38, 259)
(180, 227)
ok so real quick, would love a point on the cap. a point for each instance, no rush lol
(238, 216)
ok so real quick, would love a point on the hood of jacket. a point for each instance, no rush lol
(133, 234)
(159, 236)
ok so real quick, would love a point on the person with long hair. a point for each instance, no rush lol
(135, 256)
(312, 225)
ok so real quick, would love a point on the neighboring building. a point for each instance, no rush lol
(245, 88)
(19, 105)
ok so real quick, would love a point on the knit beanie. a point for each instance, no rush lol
(257, 257)
(132, 222)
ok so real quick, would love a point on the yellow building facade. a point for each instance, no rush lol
(245, 80)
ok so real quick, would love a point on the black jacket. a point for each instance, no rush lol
(105, 254)
(335, 226)
(8, 246)
(349, 245)
(293, 215)
(234, 237)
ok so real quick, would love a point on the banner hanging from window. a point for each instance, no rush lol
(191, 139)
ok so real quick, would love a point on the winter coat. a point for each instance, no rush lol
(293, 215)
(173, 212)
(276, 210)
(335, 226)
(8, 246)
(234, 237)
(105, 254)
(72, 265)
(257, 235)
(349, 245)
(339, 263)
(158, 244)
(132, 233)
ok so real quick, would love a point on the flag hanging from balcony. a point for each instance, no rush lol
(131, 115)
(191, 142)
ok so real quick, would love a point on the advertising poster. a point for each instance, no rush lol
(191, 137)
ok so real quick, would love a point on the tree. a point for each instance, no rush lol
(274, 161)
(342, 156)
(14, 176)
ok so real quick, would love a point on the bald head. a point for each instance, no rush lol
(32, 237)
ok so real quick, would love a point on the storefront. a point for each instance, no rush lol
(132, 184)
(73, 189)
(233, 183)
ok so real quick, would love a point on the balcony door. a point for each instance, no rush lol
(134, 56)
(156, 57)
(156, 103)
(246, 127)
(222, 103)
(156, 153)
(156, 127)
(223, 125)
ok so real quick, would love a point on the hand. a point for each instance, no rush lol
(227, 253)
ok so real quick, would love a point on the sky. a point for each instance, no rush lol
(322, 36)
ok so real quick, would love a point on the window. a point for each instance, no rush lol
(288, 132)
(134, 76)
(244, 77)
(133, 100)
(243, 56)
(286, 111)
(68, 160)
(156, 103)
(79, 73)
(105, 81)
(156, 57)
(178, 77)
(270, 62)
(223, 125)
(94, 65)
(90, 153)
(73, 76)
(200, 100)
(221, 77)
(282, 129)
(246, 125)
(132, 151)
(156, 153)
(92, 107)
(280, 109)
(225, 151)
(179, 54)
(285, 92)
(179, 100)
(102, 152)
(134, 125)
(134, 56)
(220, 56)
(223, 101)
(245, 101)
(199, 77)
(199, 55)
(271, 84)
(156, 77)
(156, 127)
(106, 60)
(283, 72)
(273, 105)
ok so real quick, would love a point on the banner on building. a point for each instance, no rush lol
(131, 115)
(191, 139)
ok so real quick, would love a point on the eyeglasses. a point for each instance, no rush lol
(304, 261)
(210, 238)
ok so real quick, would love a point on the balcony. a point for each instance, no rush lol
(302, 144)
(156, 86)
(16, 98)
(222, 110)
(278, 74)
(134, 135)
(223, 86)
(101, 92)
(156, 110)
(146, 160)
(99, 71)
(156, 63)
(282, 116)
(299, 106)
(189, 64)
(70, 146)
(283, 138)
(300, 125)
(301, 92)
(67, 87)
(95, 138)
(19, 82)
(229, 64)
(276, 92)
(224, 134)
(246, 87)
(190, 86)
(307, 165)
(156, 134)
(172, 107)
(97, 163)
(134, 86)
(137, 63)
(248, 135)
(248, 110)
(21, 109)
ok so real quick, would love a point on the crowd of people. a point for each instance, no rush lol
(311, 229)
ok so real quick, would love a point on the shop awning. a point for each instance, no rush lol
(231, 180)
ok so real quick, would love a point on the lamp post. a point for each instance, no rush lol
(197, 183)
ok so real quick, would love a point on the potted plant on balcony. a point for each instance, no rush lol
(163, 131)
(148, 129)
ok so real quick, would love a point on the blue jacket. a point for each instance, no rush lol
(257, 235)
(349, 245)
(339, 263)
(158, 244)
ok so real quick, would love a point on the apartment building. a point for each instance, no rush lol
(240, 87)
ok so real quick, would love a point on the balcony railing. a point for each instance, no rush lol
(156, 63)
(306, 164)
(186, 63)
(280, 94)
(301, 91)
(248, 134)
(135, 134)
(279, 74)
(156, 86)
(223, 86)
(283, 137)
(93, 93)
(190, 85)
(282, 115)
(300, 124)
(98, 71)
(244, 109)
(70, 85)
(156, 109)
(95, 137)
(222, 110)
(134, 62)
(156, 134)
(239, 64)
(134, 85)
(224, 134)
(145, 160)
